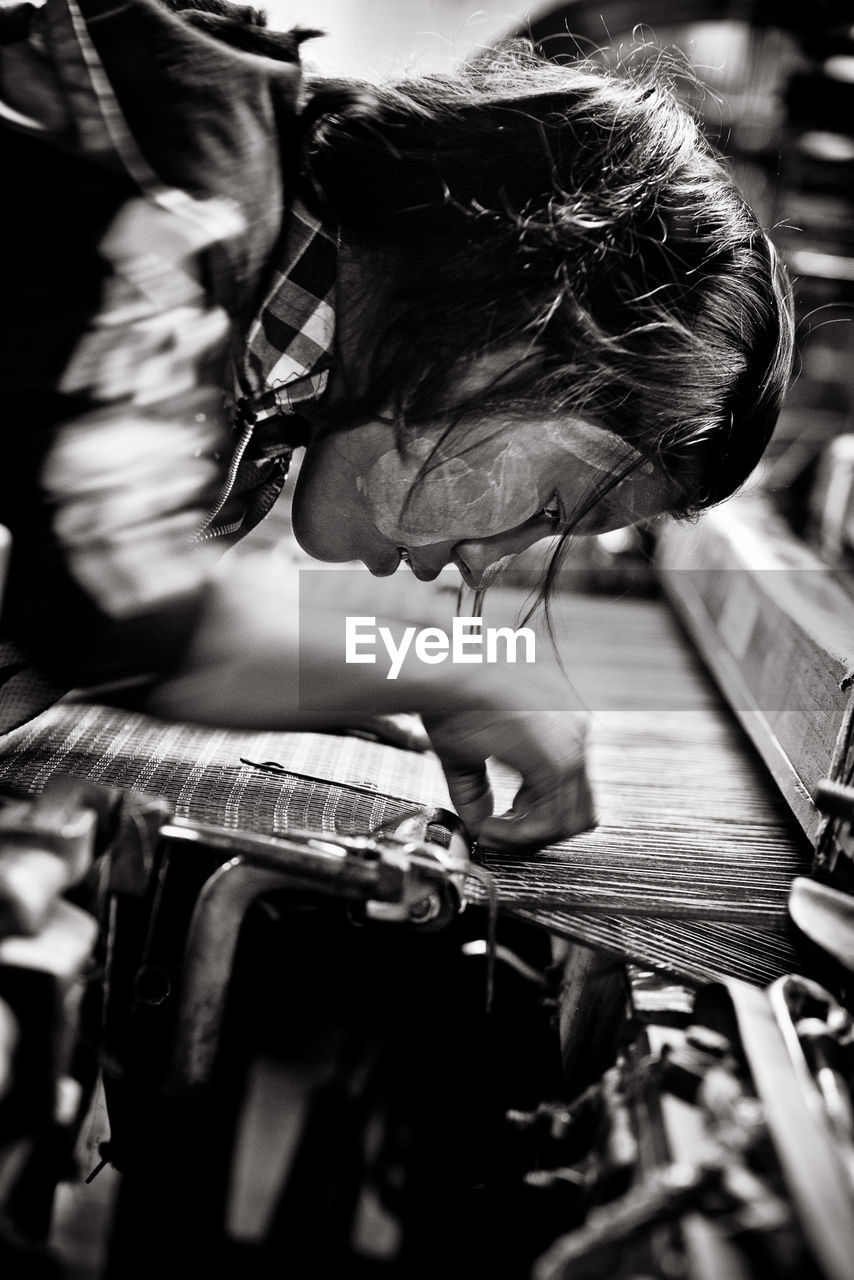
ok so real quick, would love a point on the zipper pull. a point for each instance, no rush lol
(244, 414)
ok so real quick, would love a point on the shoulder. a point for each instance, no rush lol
(188, 96)
(212, 111)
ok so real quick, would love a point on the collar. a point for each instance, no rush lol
(289, 346)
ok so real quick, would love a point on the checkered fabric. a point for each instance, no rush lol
(286, 364)
(289, 345)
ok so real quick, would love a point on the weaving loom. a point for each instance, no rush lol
(325, 1091)
(690, 865)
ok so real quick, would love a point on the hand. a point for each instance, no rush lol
(545, 747)
(261, 661)
(401, 730)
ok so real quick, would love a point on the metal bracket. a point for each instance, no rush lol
(395, 875)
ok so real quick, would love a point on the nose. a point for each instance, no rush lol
(483, 559)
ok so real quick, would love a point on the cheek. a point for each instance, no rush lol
(461, 497)
(632, 501)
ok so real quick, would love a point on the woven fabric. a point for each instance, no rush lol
(688, 870)
(338, 783)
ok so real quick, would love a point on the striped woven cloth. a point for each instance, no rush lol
(688, 870)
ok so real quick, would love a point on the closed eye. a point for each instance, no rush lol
(552, 511)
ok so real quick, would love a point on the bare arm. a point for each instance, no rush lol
(257, 659)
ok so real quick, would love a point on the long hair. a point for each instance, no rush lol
(577, 210)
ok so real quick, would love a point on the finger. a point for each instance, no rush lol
(471, 793)
(413, 735)
(534, 822)
(403, 730)
(399, 730)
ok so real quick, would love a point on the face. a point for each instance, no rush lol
(490, 491)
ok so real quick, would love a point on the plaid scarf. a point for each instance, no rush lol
(289, 345)
(286, 363)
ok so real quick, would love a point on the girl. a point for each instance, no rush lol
(521, 301)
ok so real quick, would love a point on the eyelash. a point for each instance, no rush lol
(552, 511)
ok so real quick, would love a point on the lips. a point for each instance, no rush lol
(387, 566)
(475, 580)
(423, 572)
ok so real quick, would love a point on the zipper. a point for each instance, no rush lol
(204, 529)
(221, 531)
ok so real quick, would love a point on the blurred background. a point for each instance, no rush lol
(381, 37)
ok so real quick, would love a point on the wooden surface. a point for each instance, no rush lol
(776, 628)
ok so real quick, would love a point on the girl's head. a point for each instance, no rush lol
(556, 245)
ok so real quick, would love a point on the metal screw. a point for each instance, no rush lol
(426, 909)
